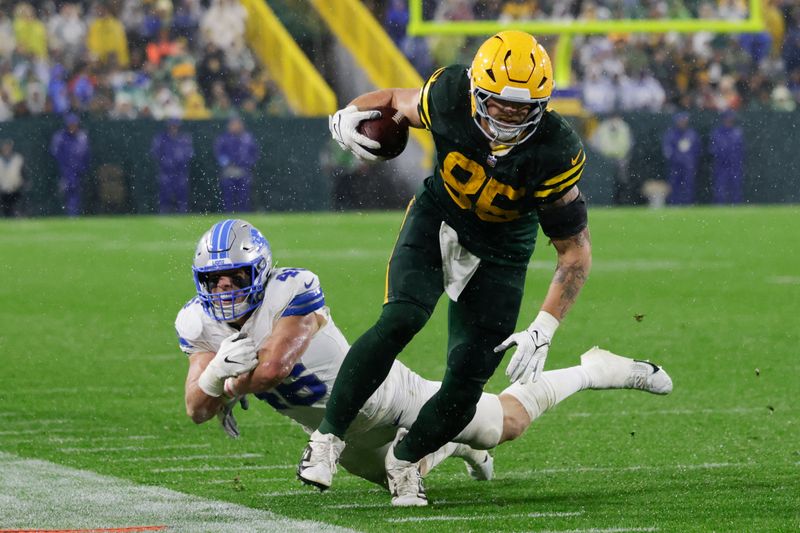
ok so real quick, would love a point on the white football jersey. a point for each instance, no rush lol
(302, 396)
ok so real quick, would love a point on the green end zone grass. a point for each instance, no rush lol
(92, 378)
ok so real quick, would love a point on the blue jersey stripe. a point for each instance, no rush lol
(299, 310)
(306, 297)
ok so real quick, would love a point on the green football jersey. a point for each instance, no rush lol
(489, 196)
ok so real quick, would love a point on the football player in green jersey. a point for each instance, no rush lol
(505, 165)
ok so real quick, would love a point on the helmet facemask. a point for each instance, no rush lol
(228, 247)
(504, 132)
(228, 306)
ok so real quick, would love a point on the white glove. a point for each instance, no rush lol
(532, 346)
(236, 355)
(343, 125)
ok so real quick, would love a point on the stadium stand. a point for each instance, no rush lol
(647, 72)
(127, 59)
(159, 58)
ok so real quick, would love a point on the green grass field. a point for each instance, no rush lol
(92, 379)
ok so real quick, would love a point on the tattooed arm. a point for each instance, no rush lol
(567, 217)
(574, 263)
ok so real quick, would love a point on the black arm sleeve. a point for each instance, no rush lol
(565, 220)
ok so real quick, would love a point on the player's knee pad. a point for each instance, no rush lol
(400, 321)
(536, 397)
(486, 427)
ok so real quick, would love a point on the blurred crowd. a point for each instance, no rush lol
(627, 72)
(188, 59)
(127, 59)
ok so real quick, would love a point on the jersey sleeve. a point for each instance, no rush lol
(439, 96)
(564, 167)
(189, 329)
(308, 296)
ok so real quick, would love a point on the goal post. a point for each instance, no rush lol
(566, 29)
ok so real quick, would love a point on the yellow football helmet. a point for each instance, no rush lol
(510, 66)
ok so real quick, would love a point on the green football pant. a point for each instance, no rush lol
(484, 315)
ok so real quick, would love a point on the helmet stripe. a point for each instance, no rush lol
(215, 238)
(220, 239)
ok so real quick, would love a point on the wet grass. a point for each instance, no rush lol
(92, 378)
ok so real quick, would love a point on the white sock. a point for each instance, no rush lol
(553, 387)
(429, 462)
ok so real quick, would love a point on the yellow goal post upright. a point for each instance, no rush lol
(567, 29)
(305, 90)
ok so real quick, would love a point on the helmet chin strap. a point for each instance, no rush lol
(226, 309)
(494, 134)
(499, 136)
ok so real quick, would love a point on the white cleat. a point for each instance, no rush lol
(480, 465)
(404, 477)
(611, 371)
(318, 463)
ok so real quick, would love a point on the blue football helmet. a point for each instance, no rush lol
(229, 246)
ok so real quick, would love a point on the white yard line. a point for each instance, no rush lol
(784, 280)
(604, 530)
(297, 492)
(43, 495)
(677, 412)
(639, 265)
(38, 421)
(73, 390)
(281, 479)
(133, 448)
(182, 458)
(36, 431)
(526, 474)
(310, 490)
(383, 505)
(88, 439)
(501, 516)
(221, 468)
(177, 355)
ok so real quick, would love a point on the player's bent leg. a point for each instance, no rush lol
(442, 417)
(485, 429)
(369, 361)
(611, 371)
(365, 367)
(522, 404)
(480, 465)
(405, 394)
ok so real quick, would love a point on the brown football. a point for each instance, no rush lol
(390, 129)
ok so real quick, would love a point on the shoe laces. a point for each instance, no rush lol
(324, 451)
(407, 480)
(640, 374)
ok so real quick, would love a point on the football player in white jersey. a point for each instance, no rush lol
(257, 329)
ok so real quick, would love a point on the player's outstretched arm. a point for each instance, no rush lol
(208, 372)
(278, 354)
(404, 100)
(200, 407)
(565, 221)
(574, 259)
